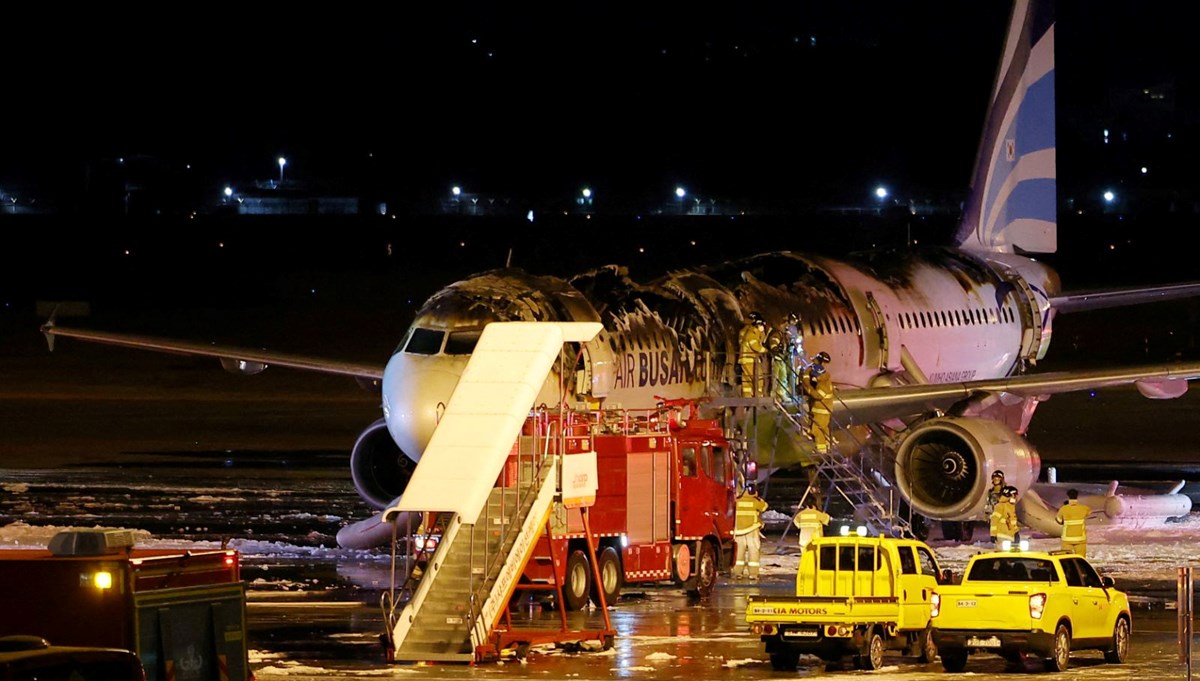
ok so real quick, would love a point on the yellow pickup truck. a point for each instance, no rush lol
(855, 597)
(1026, 605)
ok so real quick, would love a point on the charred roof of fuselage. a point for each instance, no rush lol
(508, 294)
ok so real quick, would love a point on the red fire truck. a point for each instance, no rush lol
(183, 612)
(664, 508)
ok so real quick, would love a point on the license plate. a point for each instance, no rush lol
(968, 604)
(988, 642)
(800, 633)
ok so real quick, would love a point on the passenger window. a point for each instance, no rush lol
(706, 461)
(1072, 573)
(868, 559)
(827, 558)
(1087, 573)
(928, 564)
(908, 564)
(424, 342)
(688, 469)
(462, 342)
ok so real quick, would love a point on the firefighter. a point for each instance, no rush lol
(747, 534)
(994, 491)
(751, 346)
(811, 521)
(818, 387)
(1072, 516)
(785, 345)
(797, 360)
(1004, 518)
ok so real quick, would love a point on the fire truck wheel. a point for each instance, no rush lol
(577, 585)
(611, 576)
(706, 570)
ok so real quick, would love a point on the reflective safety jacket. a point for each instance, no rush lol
(819, 387)
(752, 342)
(749, 512)
(1072, 516)
(812, 522)
(1004, 520)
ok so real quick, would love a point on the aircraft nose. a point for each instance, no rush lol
(415, 393)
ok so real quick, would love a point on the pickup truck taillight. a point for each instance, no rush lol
(1037, 605)
(935, 604)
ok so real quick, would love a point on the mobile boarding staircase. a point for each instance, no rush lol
(458, 611)
(861, 480)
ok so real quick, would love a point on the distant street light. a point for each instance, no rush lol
(282, 163)
(680, 192)
(881, 192)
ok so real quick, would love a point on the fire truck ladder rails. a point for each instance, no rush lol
(856, 480)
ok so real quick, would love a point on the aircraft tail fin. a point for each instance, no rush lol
(1011, 206)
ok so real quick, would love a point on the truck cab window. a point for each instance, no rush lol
(706, 461)
(908, 564)
(719, 464)
(928, 564)
(688, 462)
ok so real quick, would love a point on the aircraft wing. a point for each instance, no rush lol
(1098, 300)
(234, 359)
(1158, 381)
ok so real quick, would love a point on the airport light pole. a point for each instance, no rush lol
(282, 163)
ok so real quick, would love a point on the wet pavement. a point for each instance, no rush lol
(314, 609)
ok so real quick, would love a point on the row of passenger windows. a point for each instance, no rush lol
(430, 341)
(967, 317)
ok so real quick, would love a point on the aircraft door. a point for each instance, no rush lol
(875, 336)
(596, 375)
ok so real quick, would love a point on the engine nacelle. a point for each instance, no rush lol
(379, 468)
(944, 465)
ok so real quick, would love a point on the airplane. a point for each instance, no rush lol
(935, 351)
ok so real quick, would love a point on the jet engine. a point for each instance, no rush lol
(944, 465)
(379, 468)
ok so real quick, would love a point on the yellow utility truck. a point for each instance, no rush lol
(855, 597)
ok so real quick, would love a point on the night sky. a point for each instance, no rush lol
(805, 99)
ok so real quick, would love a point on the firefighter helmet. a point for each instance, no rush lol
(1009, 491)
(998, 475)
(751, 489)
(822, 357)
(756, 318)
(793, 319)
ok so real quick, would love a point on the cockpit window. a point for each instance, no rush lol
(424, 342)
(462, 342)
